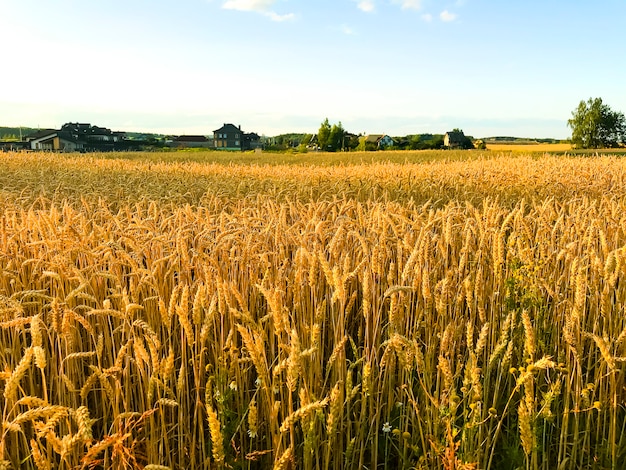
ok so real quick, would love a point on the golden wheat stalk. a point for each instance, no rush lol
(301, 413)
(217, 440)
(41, 462)
(285, 460)
(12, 384)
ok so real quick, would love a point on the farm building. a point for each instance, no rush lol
(378, 141)
(231, 137)
(74, 137)
(456, 139)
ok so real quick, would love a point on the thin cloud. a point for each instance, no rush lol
(447, 17)
(367, 6)
(248, 5)
(410, 4)
(347, 30)
(276, 17)
(258, 6)
(427, 17)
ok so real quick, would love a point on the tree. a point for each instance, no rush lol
(350, 141)
(323, 135)
(304, 143)
(480, 144)
(331, 138)
(466, 143)
(366, 145)
(335, 141)
(595, 125)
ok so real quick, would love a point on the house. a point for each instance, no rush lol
(230, 137)
(73, 137)
(89, 133)
(54, 140)
(377, 141)
(456, 139)
(252, 141)
(314, 143)
(191, 141)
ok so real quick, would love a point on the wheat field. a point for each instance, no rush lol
(158, 313)
(530, 147)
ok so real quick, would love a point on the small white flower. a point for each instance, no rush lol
(386, 427)
(252, 433)
(399, 404)
(233, 385)
(258, 382)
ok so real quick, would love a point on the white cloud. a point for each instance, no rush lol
(427, 17)
(276, 17)
(366, 6)
(447, 16)
(259, 6)
(248, 5)
(410, 4)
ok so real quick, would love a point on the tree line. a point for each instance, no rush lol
(595, 125)
(15, 133)
(334, 138)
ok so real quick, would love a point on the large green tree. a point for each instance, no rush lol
(331, 138)
(595, 125)
(336, 141)
(323, 135)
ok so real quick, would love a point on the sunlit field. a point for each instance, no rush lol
(529, 147)
(427, 310)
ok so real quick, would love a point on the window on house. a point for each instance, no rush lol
(236, 143)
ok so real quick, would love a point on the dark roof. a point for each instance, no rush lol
(41, 133)
(455, 136)
(374, 138)
(226, 128)
(60, 134)
(67, 136)
(85, 129)
(191, 138)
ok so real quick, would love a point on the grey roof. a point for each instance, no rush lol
(228, 128)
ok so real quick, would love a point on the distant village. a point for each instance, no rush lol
(84, 137)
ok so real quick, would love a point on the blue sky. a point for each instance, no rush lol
(273, 66)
